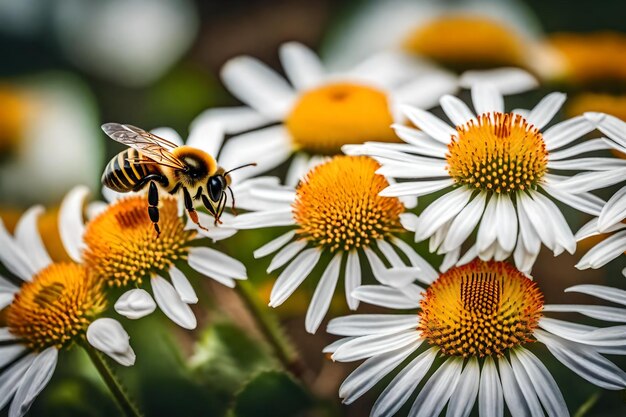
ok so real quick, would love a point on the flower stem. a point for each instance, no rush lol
(121, 397)
(268, 324)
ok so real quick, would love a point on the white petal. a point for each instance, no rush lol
(464, 395)
(217, 262)
(183, 286)
(9, 352)
(298, 168)
(456, 110)
(335, 345)
(34, 381)
(262, 219)
(170, 303)
(433, 397)
(371, 371)
(614, 211)
(352, 278)
(258, 86)
(584, 147)
(490, 398)
(135, 304)
(611, 126)
(564, 235)
(71, 225)
(464, 223)
(286, 254)
(604, 252)
(506, 223)
(233, 120)
(488, 228)
(487, 99)
(422, 144)
(543, 383)
(409, 221)
(527, 387)
(614, 295)
(374, 344)
(415, 188)
(439, 212)
(402, 386)
(12, 376)
(323, 295)
(395, 276)
(268, 148)
(546, 109)
(515, 401)
(385, 297)
(29, 240)
(13, 257)
(613, 314)
(506, 80)
(273, 245)
(566, 132)
(427, 274)
(585, 202)
(302, 66)
(207, 135)
(432, 125)
(108, 336)
(364, 324)
(424, 91)
(589, 181)
(584, 361)
(289, 280)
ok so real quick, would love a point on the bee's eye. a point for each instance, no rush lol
(216, 186)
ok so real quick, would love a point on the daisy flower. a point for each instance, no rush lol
(612, 218)
(50, 307)
(482, 319)
(336, 213)
(315, 112)
(499, 173)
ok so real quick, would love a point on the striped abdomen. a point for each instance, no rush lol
(123, 176)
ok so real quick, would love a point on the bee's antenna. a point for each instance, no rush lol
(253, 164)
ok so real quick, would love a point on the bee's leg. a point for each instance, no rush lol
(153, 206)
(232, 195)
(220, 208)
(193, 215)
(209, 206)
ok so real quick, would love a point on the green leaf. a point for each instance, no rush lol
(271, 394)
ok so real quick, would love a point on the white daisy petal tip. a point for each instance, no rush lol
(135, 304)
(594, 117)
(507, 80)
(71, 224)
(108, 336)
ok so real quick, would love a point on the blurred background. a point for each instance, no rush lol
(71, 65)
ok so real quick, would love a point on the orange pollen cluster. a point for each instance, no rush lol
(480, 309)
(122, 245)
(499, 152)
(333, 115)
(337, 204)
(56, 307)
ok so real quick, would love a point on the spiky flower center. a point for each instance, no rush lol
(337, 204)
(56, 307)
(123, 247)
(466, 42)
(333, 115)
(498, 152)
(480, 309)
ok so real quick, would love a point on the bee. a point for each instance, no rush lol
(153, 162)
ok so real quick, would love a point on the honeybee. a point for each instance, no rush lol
(151, 160)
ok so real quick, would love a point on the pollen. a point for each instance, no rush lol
(122, 247)
(498, 152)
(56, 307)
(480, 309)
(595, 59)
(338, 207)
(465, 42)
(328, 117)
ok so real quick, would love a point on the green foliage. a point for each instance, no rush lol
(271, 394)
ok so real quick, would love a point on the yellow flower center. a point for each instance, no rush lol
(465, 42)
(12, 118)
(497, 152)
(56, 307)
(337, 204)
(595, 59)
(122, 245)
(328, 117)
(480, 309)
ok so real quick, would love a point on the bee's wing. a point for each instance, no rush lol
(151, 146)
